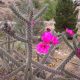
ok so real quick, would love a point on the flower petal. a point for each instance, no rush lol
(42, 48)
(55, 40)
(70, 31)
(46, 37)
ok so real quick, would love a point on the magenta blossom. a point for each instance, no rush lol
(42, 48)
(78, 52)
(46, 37)
(55, 40)
(70, 32)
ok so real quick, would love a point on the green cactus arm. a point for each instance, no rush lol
(72, 75)
(40, 12)
(74, 42)
(4, 52)
(15, 72)
(17, 13)
(62, 65)
(66, 41)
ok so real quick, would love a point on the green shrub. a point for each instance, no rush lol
(66, 15)
(50, 13)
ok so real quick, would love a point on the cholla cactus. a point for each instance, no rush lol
(28, 26)
(26, 65)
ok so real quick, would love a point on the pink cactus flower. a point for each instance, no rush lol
(55, 40)
(78, 52)
(46, 37)
(42, 48)
(70, 32)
